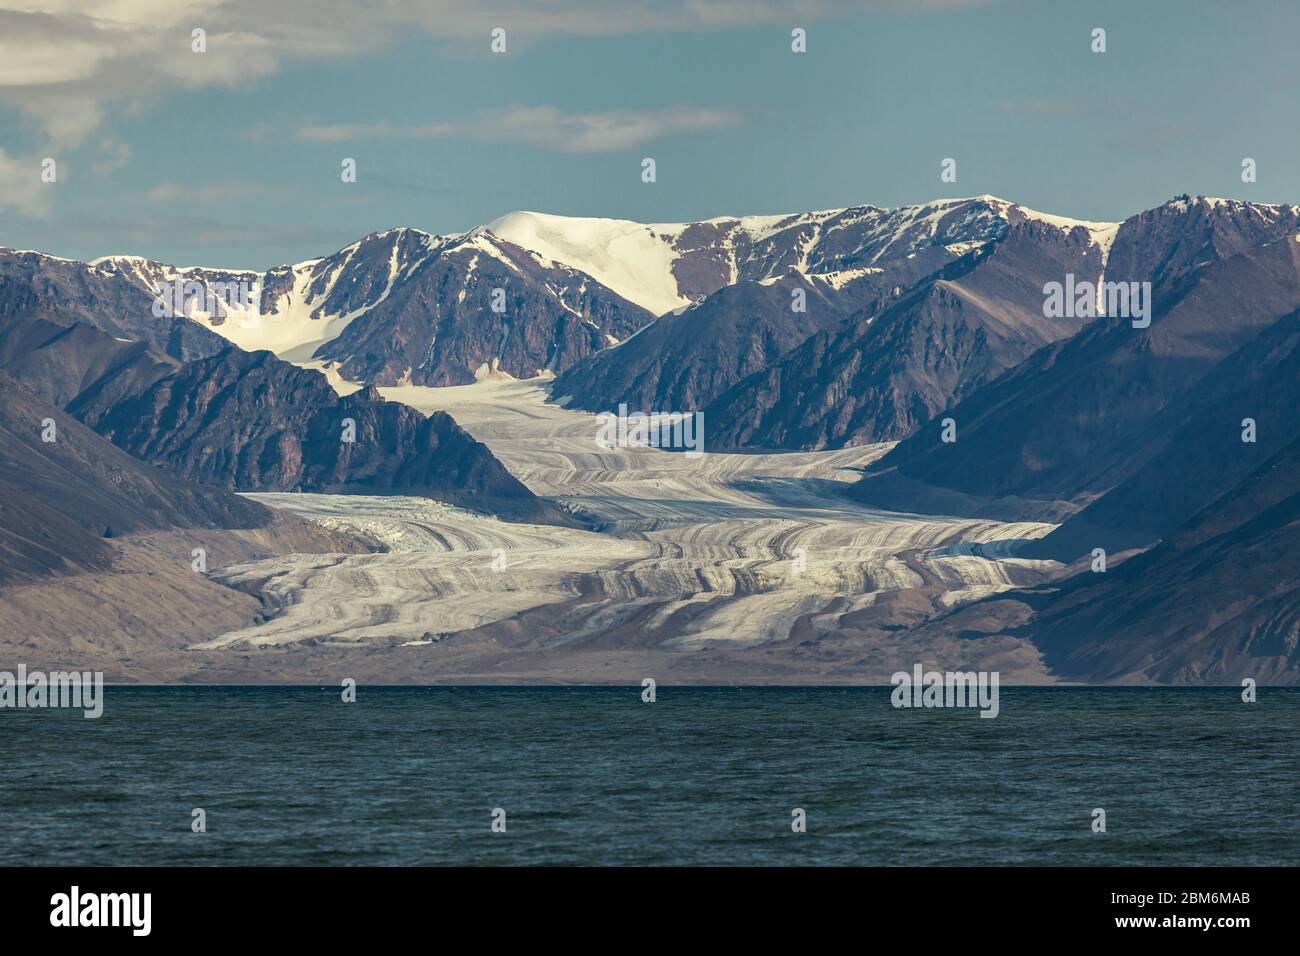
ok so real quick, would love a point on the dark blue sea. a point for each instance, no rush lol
(290, 776)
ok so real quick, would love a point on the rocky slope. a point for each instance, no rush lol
(884, 373)
(478, 306)
(683, 361)
(1079, 416)
(856, 262)
(249, 421)
(65, 503)
(1214, 602)
(33, 284)
(402, 306)
(1203, 454)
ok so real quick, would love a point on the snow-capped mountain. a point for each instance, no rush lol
(482, 306)
(401, 306)
(858, 262)
(409, 306)
(666, 266)
(530, 293)
(289, 310)
(1083, 416)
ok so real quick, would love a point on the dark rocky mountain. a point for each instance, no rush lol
(32, 284)
(63, 362)
(248, 421)
(64, 503)
(406, 307)
(98, 550)
(1213, 603)
(289, 309)
(1188, 232)
(666, 267)
(882, 374)
(685, 360)
(853, 262)
(838, 245)
(1204, 454)
(1079, 416)
(440, 327)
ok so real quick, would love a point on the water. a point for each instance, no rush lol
(702, 776)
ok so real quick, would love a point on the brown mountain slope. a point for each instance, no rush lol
(64, 503)
(881, 375)
(1204, 454)
(1218, 601)
(248, 421)
(684, 361)
(1080, 416)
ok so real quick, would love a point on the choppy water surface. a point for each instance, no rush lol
(701, 776)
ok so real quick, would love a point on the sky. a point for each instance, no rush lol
(232, 157)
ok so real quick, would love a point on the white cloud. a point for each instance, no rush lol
(543, 127)
(76, 56)
(113, 155)
(21, 188)
(65, 65)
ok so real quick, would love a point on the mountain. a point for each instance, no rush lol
(108, 563)
(65, 503)
(852, 263)
(408, 307)
(248, 421)
(403, 307)
(1213, 603)
(482, 305)
(685, 360)
(291, 309)
(1078, 417)
(34, 284)
(1203, 454)
(62, 362)
(667, 266)
(885, 372)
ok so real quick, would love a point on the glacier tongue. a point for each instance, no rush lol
(716, 551)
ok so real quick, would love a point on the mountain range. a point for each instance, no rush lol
(923, 329)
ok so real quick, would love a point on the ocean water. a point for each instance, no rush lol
(707, 776)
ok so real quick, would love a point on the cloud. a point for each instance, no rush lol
(543, 127)
(406, 185)
(21, 188)
(113, 155)
(1152, 139)
(67, 65)
(78, 56)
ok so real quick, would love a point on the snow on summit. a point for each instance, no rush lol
(629, 257)
(662, 267)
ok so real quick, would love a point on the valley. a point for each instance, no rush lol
(728, 566)
(472, 527)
